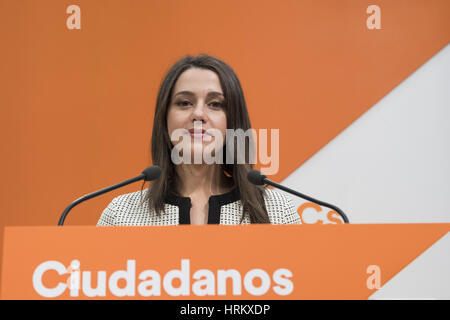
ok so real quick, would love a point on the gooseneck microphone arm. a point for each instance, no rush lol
(298, 194)
(149, 174)
(257, 178)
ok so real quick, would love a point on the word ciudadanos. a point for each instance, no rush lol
(148, 283)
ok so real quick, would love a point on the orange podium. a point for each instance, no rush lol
(265, 262)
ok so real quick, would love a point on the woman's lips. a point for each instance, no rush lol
(198, 133)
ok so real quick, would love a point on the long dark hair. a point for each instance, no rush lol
(252, 197)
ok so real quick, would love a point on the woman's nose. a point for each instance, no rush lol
(198, 113)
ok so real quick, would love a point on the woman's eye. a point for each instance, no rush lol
(216, 104)
(183, 103)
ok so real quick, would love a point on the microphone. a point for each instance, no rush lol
(149, 174)
(259, 179)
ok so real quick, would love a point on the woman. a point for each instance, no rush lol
(199, 95)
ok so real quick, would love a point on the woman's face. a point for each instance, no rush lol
(197, 98)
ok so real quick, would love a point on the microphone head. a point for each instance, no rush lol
(152, 173)
(255, 177)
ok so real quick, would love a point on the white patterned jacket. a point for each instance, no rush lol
(132, 210)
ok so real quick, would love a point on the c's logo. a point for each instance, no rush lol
(320, 218)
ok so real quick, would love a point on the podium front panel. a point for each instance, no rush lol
(209, 262)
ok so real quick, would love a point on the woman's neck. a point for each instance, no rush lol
(201, 178)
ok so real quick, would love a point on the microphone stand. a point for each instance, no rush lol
(298, 194)
(97, 193)
(149, 174)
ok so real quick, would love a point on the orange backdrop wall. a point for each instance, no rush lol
(77, 105)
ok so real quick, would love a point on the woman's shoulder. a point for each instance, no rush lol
(280, 207)
(125, 209)
(131, 200)
(275, 195)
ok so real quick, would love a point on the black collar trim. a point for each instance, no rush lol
(215, 203)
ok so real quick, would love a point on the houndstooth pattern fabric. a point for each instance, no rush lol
(130, 210)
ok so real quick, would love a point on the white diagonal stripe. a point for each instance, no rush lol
(393, 163)
(427, 277)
